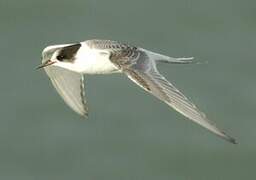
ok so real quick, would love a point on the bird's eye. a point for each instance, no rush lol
(60, 57)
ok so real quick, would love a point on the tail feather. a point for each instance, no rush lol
(183, 60)
(167, 59)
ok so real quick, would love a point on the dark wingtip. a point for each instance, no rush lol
(85, 115)
(230, 139)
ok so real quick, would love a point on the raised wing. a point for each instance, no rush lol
(140, 68)
(70, 86)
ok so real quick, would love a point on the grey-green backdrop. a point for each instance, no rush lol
(129, 134)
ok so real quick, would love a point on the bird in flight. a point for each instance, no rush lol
(66, 65)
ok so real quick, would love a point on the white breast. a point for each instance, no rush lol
(94, 61)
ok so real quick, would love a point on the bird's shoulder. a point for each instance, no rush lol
(109, 45)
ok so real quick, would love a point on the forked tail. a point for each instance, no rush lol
(183, 60)
(166, 59)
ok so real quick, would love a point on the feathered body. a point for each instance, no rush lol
(66, 64)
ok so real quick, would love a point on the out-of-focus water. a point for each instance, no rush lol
(129, 134)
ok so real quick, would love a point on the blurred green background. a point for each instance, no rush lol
(129, 134)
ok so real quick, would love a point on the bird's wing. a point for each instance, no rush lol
(141, 69)
(70, 86)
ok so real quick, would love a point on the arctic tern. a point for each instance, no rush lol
(66, 65)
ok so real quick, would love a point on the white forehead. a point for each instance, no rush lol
(49, 51)
(53, 47)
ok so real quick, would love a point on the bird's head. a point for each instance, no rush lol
(59, 54)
